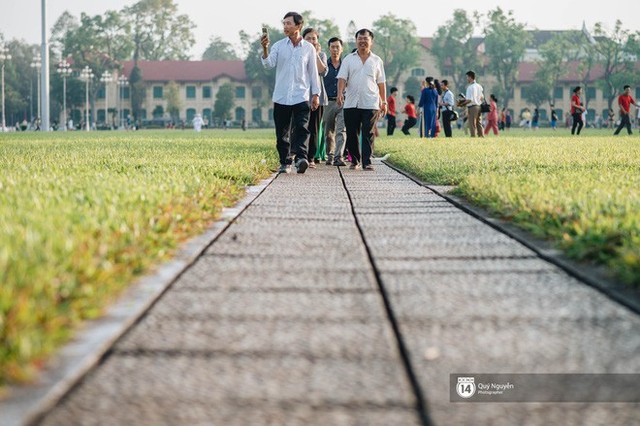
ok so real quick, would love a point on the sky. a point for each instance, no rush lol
(225, 19)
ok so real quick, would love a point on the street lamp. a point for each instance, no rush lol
(106, 78)
(65, 71)
(4, 56)
(36, 64)
(87, 75)
(122, 82)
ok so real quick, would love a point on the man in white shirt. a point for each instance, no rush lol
(362, 74)
(296, 81)
(475, 95)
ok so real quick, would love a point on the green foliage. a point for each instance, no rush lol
(537, 93)
(137, 91)
(583, 195)
(505, 42)
(83, 214)
(174, 101)
(411, 87)
(395, 41)
(326, 28)
(220, 50)
(224, 101)
(455, 49)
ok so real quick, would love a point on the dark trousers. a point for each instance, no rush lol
(408, 123)
(624, 122)
(391, 124)
(446, 122)
(292, 132)
(360, 122)
(315, 117)
(577, 123)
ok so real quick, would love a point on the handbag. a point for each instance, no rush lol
(454, 115)
(485, 107)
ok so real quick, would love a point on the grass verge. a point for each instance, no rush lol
(83, 214)
(582, 193)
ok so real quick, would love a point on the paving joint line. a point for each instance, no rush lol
(421, 406)
(591, 276)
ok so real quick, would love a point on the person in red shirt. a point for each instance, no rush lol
(624, 102)
(412, 116)
(391, 111)
(576, 110)
(492, 117)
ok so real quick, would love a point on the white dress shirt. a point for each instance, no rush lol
(296, 71)
(362, 81)
(475, 94)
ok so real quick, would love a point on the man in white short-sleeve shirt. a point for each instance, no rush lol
(362, 93)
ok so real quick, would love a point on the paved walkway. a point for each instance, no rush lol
(345, 297)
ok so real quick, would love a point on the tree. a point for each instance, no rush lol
(136, 85)
(554, 54)
(326, 28)
(395, 43)
(412, 87)
(612, 54)
(224, 101)
(158, 32)
(219, 50)
(174, 104)
(537, 93)
(455, 48)
(505, 43)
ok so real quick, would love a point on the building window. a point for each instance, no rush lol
(206, 92)
(191, 113)
(558, 93)
(240, 92)
(206, 114)
(256, 115)
(158, 111)
(143, 113)
(417, 72)
(591, 94)
(524, 92)
(240, 114)
(191, 92)
(100, 93)
(157, 92)
(124, 92)
(637, 93)
(256, 92)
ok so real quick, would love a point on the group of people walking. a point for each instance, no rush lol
(347, 94)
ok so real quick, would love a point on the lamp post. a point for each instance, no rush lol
(4, 56)
(87, 75)
(122, 82)
(106, 78)
(36, 64)
(65, 70)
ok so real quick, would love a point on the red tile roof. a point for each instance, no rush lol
(527, 72)
(188, 71)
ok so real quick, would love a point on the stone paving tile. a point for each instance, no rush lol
(268, 304)
(343, 339)
(170, 412)
(328, 277)
(463, 265)
(217, 379)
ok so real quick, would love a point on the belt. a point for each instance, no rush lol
(332, 98)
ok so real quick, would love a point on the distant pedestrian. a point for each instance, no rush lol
(412, 117)
(624, 102)
(334, 131)
(473, 99)
(362, 74)
(446, 106)
(296, 81)
(197, 123)
(576, 111)
(391, 111)
(535, 121)
(315, 117)
(492, 117)
(429, 106)
(554, 118)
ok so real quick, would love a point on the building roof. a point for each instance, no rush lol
(527, 72)
(188, 71)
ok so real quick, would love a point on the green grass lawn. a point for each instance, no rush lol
(582, 193)
(83, 214)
